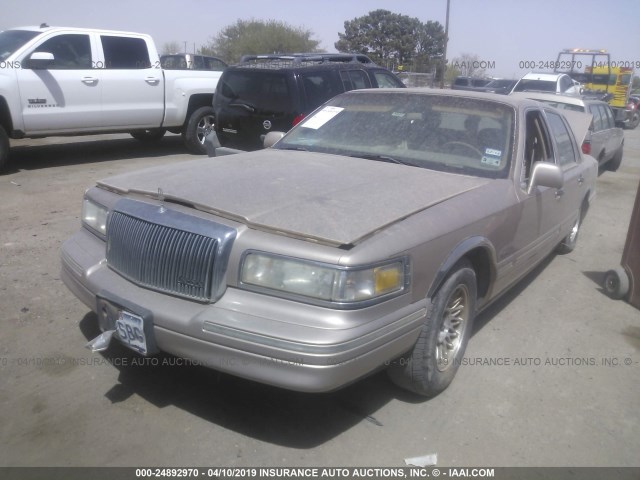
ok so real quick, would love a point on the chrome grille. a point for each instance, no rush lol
(163, 257)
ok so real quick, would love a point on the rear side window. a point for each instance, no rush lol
(607, 117)
(354, 79)
(125, 52)
(319, 87)
(597, 118)
(565, 154)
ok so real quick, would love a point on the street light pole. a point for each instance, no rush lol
(446, 40)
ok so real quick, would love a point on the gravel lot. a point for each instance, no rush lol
(563, 388)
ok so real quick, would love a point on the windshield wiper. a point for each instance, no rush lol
(381, 158)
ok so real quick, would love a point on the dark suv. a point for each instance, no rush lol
(274, 92)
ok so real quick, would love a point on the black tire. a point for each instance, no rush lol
(568, 243)
(616, 283)
(613, 164)
(431, 365)
(199, 125)
(4, 149)
(150, 135)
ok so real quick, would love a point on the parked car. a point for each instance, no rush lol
(605, 140)
(500, 85)
(469, 83)
(548, 82)
(274, 92)
(75, 81)
(189, 61)
(370, 236)
(633, 115)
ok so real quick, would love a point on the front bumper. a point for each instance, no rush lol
(255, 336)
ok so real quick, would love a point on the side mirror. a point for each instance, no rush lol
(620, 123)
(271, 139)
(546, 175)
(40, 60)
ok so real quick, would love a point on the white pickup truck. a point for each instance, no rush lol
(58, 81)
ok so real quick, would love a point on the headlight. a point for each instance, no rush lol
(327, 283)
(94, 216)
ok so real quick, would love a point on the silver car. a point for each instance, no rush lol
(605, 139)
(368, 237)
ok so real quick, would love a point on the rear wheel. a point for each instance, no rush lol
(432, 364)
(4, 148)
(198, 127)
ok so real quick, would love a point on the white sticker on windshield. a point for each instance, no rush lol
(322, 117)
(491, 151)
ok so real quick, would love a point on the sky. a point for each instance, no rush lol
(508, 35)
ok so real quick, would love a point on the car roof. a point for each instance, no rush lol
(515, 102)
(47, 28)
(555, 97)
(552, 77)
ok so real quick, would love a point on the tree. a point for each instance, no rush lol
(469, 65)
(171, 47)
(393, 38)
(257, 36)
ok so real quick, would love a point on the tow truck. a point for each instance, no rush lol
(602, 78)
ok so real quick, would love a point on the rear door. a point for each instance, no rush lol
(566, 154)
(132, 83)
(64, 95)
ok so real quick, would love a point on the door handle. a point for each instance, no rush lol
(559, 194)
(152, 80)
(89, 80)
(580, 180)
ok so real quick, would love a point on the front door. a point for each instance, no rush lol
(63, 95)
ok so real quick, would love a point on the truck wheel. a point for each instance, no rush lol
(430, 367)
(149, 135)
(199, 125)
(613, 164)
(4, 148)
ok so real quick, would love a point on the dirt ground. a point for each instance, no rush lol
(552, 373)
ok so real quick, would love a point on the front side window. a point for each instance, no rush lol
(70, 51)
(125, 53)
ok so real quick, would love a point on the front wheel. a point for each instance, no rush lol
(4, 148)
(430, 367)
(198, 127)
(569, 242)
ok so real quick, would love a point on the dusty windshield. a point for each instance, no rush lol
(12, 40)
(438, 132)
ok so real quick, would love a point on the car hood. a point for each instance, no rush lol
(331, 199)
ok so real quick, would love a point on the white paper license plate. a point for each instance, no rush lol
(130, 330)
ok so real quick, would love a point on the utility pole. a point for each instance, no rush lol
(446, 40)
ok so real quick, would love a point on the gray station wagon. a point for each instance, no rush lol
(368, 237)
